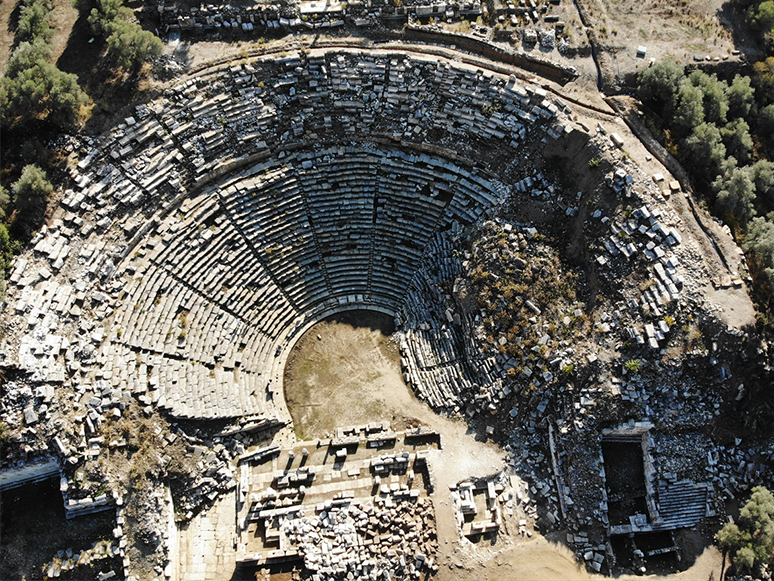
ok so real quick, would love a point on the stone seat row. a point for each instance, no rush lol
(188, 260)
(163, 316)
(433, 345)
(196, 391)
(454, 76)
(274, 243)
(218, 265)
(440, 387)
(189, 389)
(213, 108)
(407, 226)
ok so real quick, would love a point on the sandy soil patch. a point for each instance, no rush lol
(350, 375)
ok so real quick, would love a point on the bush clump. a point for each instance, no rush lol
(751, 542)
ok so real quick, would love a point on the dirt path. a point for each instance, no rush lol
(205, 543)
(547, 559)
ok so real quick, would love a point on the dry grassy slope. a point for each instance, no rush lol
(63, 17)
(677, 29)
(6, 35)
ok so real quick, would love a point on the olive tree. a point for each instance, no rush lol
(740, 97)
(689, 111)
(737, 139)
(704, 149)
(131, 45)
(34, 20)
(33, 89)
(658, 83)
(751, 542)
(735, 192)
(127, 42)
(32, 189)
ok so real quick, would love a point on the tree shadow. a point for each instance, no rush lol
(82, 52)
(111, 89)
(13, 23)
(373, 320)
(477, 428)
(735, 21)
(35, 527)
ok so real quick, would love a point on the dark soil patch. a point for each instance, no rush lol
(33, 528)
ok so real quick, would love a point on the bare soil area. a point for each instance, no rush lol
(9, 16)
(680, 31)
(547, 559)
(351, 376)
(346, 371)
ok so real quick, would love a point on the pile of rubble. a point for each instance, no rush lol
(68, 560)
(379, 540)
(214, 475)
(146, 533)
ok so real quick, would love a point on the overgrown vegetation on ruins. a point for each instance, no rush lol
(521, 286)
(207, 230)
(722, 132)
(39, 102)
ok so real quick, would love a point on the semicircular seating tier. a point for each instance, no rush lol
(228, 276)
(279, 192)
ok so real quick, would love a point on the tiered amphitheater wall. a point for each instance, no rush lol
(254, 200)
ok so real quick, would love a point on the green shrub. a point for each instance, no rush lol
(32, 189)
(34, 21)
(751, 542)
(632, 366)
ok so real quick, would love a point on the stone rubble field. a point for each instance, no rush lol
(146, 327)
